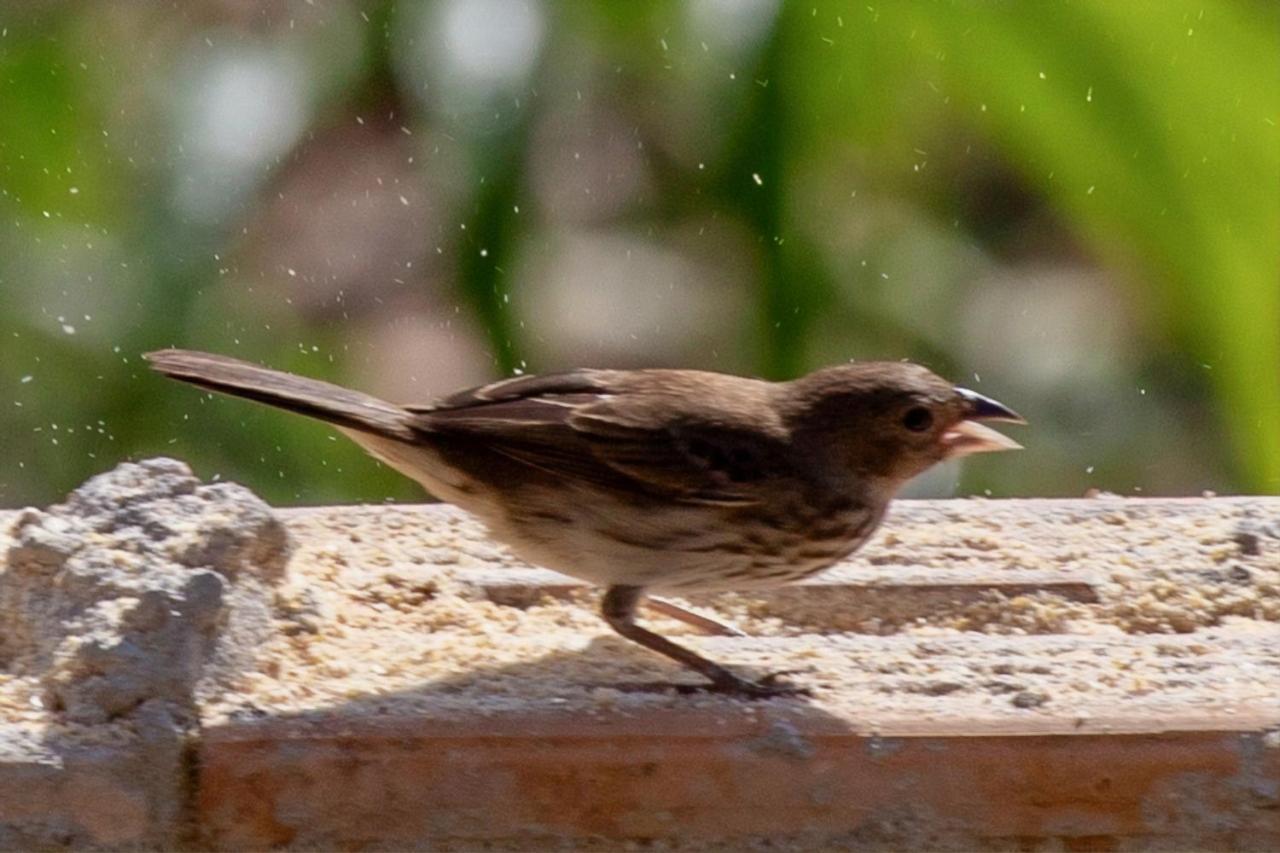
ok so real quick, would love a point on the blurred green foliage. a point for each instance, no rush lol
(872, 166)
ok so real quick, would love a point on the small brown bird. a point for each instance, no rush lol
(656, 480)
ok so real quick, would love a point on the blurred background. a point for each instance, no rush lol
(1071, 206)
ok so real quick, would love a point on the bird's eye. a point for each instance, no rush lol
(917, 419)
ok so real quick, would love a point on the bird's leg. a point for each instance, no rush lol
(705, 624)
(619, 610)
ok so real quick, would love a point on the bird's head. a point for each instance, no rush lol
(885, 422)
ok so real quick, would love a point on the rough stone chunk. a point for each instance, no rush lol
(144, 585)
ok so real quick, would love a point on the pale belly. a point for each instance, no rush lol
(667, 548)
(682, 549)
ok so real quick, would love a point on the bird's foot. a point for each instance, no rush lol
(771, 686)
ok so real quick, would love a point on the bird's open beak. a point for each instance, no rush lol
(970, 436)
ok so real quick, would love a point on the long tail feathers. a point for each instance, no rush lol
(311, 397)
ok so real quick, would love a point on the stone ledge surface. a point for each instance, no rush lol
(121, 792)
(986, 674)
(692, 780)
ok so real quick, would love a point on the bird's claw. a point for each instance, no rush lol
(777, 677)
(771, 686)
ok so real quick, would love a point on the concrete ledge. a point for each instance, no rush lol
(85, 795)
(690, 778)
(1084, 674)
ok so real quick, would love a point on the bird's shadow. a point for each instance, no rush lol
(486, 752)
(595, 745)
(608, 669)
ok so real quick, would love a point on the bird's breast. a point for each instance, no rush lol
(693, 548)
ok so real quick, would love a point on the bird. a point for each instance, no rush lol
(652, 481)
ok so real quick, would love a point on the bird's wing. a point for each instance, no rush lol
(604, 429)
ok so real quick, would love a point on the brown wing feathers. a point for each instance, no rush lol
(568, 425)
(519, 388)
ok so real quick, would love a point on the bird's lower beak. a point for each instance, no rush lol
(972, 437)
(968, 436)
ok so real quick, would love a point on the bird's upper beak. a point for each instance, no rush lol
(970, 436)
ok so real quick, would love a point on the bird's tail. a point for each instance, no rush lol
(325, 401)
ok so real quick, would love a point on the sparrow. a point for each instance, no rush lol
(644, 481)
